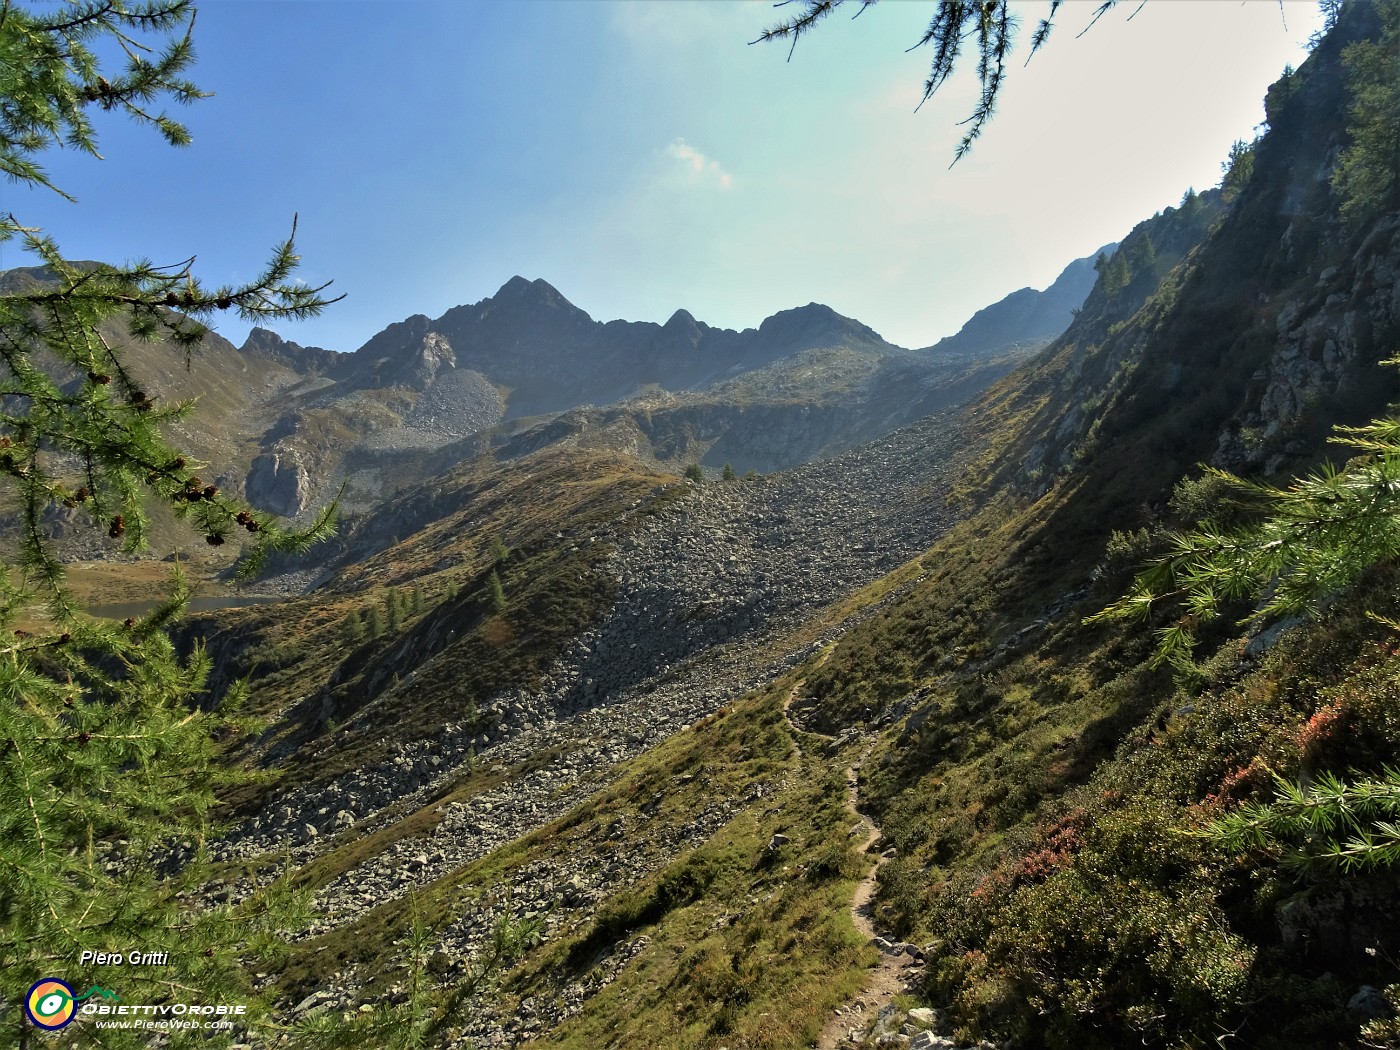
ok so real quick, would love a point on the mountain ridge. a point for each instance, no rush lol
(526, 366)
(1027, 315)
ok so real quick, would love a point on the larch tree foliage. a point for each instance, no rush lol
(109, 746)
(1367, 178)
(990, 27)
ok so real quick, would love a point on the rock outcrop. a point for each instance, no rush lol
(278, 483)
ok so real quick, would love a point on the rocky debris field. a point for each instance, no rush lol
(707, 588)
(921, 1028)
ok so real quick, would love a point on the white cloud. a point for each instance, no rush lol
(699, 163)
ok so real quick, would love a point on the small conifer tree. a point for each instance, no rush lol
(374, 622)
(496, 592)
(393, 611)
(499, 551)
(728, 473)
(1116, 274)
(1236, 169)
(1142, 256)
(353, 630)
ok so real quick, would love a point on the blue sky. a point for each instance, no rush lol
(641, 156)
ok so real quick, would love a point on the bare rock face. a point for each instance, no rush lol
(1347, 316)
(278, 483)
(431, 356)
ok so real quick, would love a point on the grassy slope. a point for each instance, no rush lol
(745, 946)
(1043, 780)
(1044, 783)
(338, 701)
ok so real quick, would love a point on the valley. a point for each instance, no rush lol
(666, 685)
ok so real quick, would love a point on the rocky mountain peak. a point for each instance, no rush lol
(817, 325)
(265, 343)
(684, 329)
(401, 337)
(516, 286)
(538, 293)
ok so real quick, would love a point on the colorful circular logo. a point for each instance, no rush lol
(49, 1004)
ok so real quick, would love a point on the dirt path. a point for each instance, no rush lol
(896, 971)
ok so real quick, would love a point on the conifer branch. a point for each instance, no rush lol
(1330, 823)
(107, 717)
(1310, 541)
(989, 23)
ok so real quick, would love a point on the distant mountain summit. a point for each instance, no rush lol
(1027, 316)
(525, 368)
(262, 342)
(553, 356)
(815, 326)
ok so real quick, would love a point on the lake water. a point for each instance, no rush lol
(121, 610)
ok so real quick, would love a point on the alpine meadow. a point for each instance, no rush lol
(528, 678)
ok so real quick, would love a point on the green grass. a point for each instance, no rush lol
(748, 947)
(337, 704)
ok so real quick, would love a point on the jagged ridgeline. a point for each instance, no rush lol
(525, 369)
(548, 674)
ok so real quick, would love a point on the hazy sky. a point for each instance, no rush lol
(641, 156)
